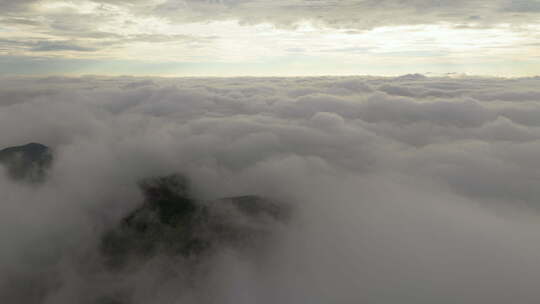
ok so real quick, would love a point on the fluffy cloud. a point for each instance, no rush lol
(407, 190)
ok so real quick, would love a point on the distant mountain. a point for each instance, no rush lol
(411, 77)
(27, 162)
(171, 221)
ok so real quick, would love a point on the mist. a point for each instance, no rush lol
(410, 189)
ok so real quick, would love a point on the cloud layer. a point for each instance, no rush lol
(407, 189)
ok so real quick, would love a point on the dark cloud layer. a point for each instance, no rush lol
(407, 190)
(51, 46)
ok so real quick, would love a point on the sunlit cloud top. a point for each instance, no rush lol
(262, 37)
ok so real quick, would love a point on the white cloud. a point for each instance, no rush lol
(409, 190)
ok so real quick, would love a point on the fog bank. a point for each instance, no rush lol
(405, 190)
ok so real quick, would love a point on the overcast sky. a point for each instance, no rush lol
(270, 37)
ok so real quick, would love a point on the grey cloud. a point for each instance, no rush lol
(23, 21)
(286, 13)
(52, 46)
(429, 197)
(34, 45)
(510, 95)
(523, 6)
(345, 13)
(9, 6)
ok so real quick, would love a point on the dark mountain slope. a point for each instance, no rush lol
(27, 162)
(172, 222)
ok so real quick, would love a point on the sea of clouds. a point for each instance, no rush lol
(405, 190)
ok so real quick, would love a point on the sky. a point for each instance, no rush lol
(270, 38)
